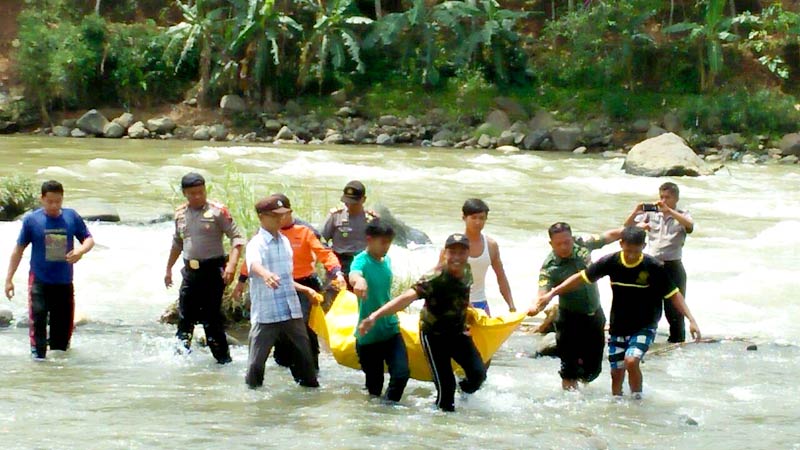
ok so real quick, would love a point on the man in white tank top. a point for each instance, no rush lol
(484, 253)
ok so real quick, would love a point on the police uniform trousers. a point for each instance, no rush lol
(201, 302)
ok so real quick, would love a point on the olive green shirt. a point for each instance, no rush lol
(585, 299)
(446, 302)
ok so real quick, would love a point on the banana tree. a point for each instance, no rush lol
(199, 28)
(335, 36)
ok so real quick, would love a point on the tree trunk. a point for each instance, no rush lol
(378, 10)
(97, 7)
(205, 73)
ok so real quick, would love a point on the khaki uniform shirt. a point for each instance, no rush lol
(666, 236)
(347, 233)
(198, 232)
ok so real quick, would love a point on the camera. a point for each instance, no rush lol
(649, 207)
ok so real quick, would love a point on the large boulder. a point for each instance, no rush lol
(138, 131)
(113, 130)
(8, 127)
(790, 144)
(161, 125)
(285, 133)
(566, 138)
(665, 155)
(498, 119)
(543, 120)
(96, 211)
(232, 103)
(126, 120)
(92, 122)
(218, 132)
(404, 234)
(61, 131)
(534, 139)
(511, 107)
(732, 140)
(202, 133)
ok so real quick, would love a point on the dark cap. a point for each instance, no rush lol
(456, 239)
(272, 204)
(354, 191)
(192, 179)
(284, 199)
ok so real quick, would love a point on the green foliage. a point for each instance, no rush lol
(17, 195)
(760, 112)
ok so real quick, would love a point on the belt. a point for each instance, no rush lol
(198, 264)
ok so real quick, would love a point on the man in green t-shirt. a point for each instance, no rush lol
(443, 322)
(371, 278)
(580, 327)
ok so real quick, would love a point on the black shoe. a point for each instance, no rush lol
(225, 360)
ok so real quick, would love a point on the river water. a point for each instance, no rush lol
(121, 386)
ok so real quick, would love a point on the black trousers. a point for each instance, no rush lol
(372, 356)
(581, 339)
(200, 301)
(439, 350)
(53, 303)
(346, 260)
(677, 325)
(284, 353)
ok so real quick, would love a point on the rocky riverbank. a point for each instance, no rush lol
(507, 128)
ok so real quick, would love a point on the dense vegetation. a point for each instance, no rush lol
(738, 61)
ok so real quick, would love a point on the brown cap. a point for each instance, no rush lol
(272, 204)
(354, 191)
(456, 239)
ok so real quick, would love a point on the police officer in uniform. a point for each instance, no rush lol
(199, 227)
(345, 227)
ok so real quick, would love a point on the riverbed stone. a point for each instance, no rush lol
(138, 131)
(542, 120)
(218, 132)
(443, 135)
(161, 125)
(232, 103)
(125, 120)
(732, 140)
(485, 141)
(640, 126)
(507, 148)
(749, 158)
(113, 130)
(384, 139)
(77, 133)
(506, 138)
(511, 107)
(791, 159)
(69, 123)
(442, 144)
(388, 121)
(534, 139)
(92, 122)
(272, 125)
(654, 131)
(499, 119)
(665, 155)
(6, 317)
(96, 211)
(489, 129)
(202, 133)
(672, 122)
(61, 131)
(334, 138)
(285, 133)
(580, 150)
(566, 138)
(346, 111)
(339, 97)
(790, 144)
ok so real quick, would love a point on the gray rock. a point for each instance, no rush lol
(92, 122)
(442, 144)
(250, 137)
(161, 125)
(285, 133)
(190, 102)
(61, 131)
(339, 97)
(6, 317)
(506, 138)
(316, 142)
(640, 126)
(126, 120)
(272, 125)
(443, 135)
(293, 109)
(388, 121)
(404, 234)
(218, 132)
(202, 133)
(411, 121)
(611, 154)
(384, 139)
(547, 345)
(543, 120)
(565, 138)
(672, 122)
(665, 155)
(489, 129)
(361, 134)
(499, 119)
(580, 150)
(138, 131)
(534, 139)
(78, 133)
(790, 144)
(655, 131)
(733, 140)
(791, 159)
(96, 211)
(346, 111)
(713, 158)
(511, 107)
(435, 116)
(334, 138)
(519, 127)
(232, 103)
(69, 123)
(113, 130)
(404, 138)
(485, 141)
(507, 149)
(749, 158)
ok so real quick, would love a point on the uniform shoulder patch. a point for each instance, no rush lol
(336, 210)
(182, 206)
(372, 214)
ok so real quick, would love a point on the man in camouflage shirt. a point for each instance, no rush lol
(199, 227)
(580, 327)
(443, 322)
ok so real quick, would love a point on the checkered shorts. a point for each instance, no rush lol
(635, 346)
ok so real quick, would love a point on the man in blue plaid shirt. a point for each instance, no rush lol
(274, 307)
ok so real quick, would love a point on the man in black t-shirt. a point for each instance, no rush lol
(638, 283)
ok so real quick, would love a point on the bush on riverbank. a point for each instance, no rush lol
(17, 195)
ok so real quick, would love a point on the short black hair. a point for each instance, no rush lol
(633, 235)
(559, 227)
(474, 206)
(377, 228)
(670, 187)
(52, 186)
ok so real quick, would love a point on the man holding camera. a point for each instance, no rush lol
(667, 228)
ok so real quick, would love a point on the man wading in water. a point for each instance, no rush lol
(199, 227)
(443, 322)
(638, 283)
(51, 296)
